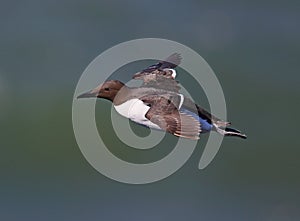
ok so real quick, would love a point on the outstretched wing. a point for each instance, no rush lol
(164, 112)
(170, 62)
(161, 75)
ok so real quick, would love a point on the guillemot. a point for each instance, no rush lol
(161, 109)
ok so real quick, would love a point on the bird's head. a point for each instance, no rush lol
(108, 90)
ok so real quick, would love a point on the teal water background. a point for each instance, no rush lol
(252, 46)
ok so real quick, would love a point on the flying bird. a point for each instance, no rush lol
(158, 103)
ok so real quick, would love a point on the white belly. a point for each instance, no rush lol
(136, 110)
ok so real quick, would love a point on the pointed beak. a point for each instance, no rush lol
(88, 94)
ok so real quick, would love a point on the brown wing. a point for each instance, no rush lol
(160, 79)
(159, 75)
(161, 82)
(170, 62)
(163, 112)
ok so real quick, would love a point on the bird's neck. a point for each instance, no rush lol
(122, 95)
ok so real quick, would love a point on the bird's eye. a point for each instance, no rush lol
(106, 89)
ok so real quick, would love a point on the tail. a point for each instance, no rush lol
(229, 132)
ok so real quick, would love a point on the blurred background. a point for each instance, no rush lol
(253, 47)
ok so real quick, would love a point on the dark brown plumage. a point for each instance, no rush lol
(164, 112)
(161, 75)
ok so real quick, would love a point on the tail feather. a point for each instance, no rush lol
(230, 132)
(221, 123)
(228, 129)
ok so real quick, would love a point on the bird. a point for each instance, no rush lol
(161, 109)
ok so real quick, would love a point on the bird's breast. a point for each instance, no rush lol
(135, 110)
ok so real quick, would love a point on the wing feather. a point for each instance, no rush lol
(164, 112)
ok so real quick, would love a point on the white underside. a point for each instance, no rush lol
(136, 110)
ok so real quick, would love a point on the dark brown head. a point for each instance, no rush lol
(108, 90)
